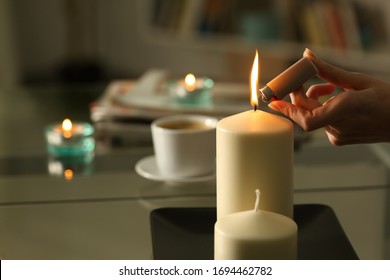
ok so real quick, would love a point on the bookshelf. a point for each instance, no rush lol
(354, 34)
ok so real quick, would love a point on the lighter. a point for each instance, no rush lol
(289, 80)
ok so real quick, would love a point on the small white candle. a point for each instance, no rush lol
(191, 90)
(70, 139)
(254, 148)
(255, 235)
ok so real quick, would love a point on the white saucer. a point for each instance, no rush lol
(147, 167)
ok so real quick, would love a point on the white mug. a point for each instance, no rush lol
(184, 145)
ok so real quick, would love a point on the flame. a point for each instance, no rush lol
(255, 81)
(67, 128)
(190, 82)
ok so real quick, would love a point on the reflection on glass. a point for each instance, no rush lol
(68, 167)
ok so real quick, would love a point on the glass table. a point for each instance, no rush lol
(103, 212)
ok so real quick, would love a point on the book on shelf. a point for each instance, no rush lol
(337, 24)
(341, 24)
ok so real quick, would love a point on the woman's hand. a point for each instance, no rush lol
(359, 114)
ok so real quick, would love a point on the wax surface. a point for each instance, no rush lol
(255, 235)
(254, 151)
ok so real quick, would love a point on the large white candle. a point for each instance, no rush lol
(255, 234)
(254, 149)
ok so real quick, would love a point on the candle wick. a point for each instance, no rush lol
(254, 108)
(257, 203)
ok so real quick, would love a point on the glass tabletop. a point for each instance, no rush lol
(102, 211)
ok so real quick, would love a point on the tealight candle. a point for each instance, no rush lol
(255, 235)
(191, 90)
(70, 139)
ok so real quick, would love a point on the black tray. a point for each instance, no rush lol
(188, 234)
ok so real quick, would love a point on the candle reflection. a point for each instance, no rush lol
(68, 174)
(69, 167)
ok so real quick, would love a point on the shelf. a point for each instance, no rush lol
(373, 61)
(369, 62)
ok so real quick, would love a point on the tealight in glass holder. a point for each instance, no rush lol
(191, 91)
(69, 139)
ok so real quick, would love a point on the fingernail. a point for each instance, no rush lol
(310, 53)
(274, 106)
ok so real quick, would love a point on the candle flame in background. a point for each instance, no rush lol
(190, 82)
(68, 174)
(255, 81)
(67, 128)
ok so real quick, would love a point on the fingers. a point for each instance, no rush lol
(298, 114)
(318, 90)
(338, 76)
(309, 101)
(317, 118)
(320, 116)
(312, 120)
(299, 98)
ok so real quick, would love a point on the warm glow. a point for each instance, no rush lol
(67, 125)
(190, 82)
(68, 174)
(67, 128)
(255, 81)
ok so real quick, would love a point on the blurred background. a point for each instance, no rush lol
(97, 40)
(57, 58)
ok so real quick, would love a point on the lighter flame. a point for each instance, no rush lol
(190, 82)
(255, 80)
(67, 128)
